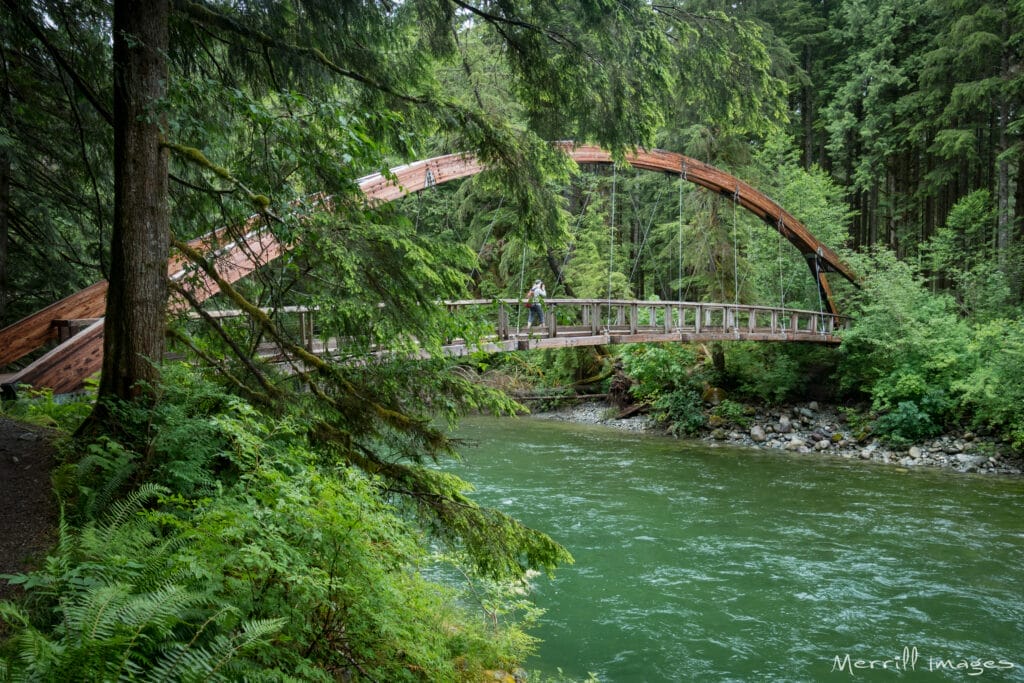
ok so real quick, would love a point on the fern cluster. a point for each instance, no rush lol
(216, 542)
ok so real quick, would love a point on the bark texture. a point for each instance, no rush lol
(137, 298)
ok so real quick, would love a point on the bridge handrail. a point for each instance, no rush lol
(466, 303)
(646, 302)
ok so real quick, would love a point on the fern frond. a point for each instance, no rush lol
(160, 610)
(36, 655)
(120, 511)
(253, 632)
(167, 668)
(11, 614)
(93, 615)
(154, 615)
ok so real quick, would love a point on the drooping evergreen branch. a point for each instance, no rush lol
(196, 156)
(496, 21)
(15, 7)
(499, 545)
(205, 15)
(357, 401)
(272, 391)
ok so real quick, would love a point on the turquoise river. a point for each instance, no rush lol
(696, 563)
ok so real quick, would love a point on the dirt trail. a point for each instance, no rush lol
(27, 513)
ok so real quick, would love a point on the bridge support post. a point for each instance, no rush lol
(503, 328)
(306, 336)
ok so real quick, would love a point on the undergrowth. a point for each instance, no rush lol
(214, 542)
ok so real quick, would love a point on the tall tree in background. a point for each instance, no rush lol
(137, 297)
(973, 72)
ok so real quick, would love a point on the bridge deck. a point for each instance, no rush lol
(593, 322)
(568, 323)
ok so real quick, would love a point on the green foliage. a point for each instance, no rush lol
(732, 412)
(670, 378)
(906, 344)
(770, 373)
(924, 367)
(41, 407)
(777, 272)
(659, 368)
(125, 604)
(594, 272)
(993, 391)
(907, 423)
(963, 252)
(682, 410)
(285, 567)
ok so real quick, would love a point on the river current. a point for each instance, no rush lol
(696, 563)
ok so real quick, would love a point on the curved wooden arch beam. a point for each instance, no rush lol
(65, 367)
(819, 257)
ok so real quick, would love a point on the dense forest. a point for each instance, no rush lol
(222, 519)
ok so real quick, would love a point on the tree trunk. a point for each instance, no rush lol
(5, 209)
(807, 112)
(5, 194)
(137, 299)
(718, 362)
(1003, 164)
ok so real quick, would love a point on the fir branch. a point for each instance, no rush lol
(205, 15)
(272, 391)
(15, 7)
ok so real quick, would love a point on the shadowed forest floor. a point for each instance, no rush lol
(27, 511)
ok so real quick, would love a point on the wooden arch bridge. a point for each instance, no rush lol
(73, 326)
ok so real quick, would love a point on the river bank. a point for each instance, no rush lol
(812, 428)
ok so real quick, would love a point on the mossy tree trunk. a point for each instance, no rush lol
(137, 299)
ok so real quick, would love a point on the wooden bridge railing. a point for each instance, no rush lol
(499, 324)
(618, 317)
(495, 325)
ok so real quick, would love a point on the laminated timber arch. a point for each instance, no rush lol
(76, 321)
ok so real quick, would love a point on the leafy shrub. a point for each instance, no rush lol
(764, 372)
(907, 423)
(906, 344)
(661, 368)
(993, 392)
(683, 410)
(732, 412)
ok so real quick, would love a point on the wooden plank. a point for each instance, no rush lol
(28, 334)
(65, 367)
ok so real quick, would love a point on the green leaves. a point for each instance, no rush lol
(297, 564)
(994, 388)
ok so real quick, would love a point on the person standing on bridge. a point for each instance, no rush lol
(534, 304)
